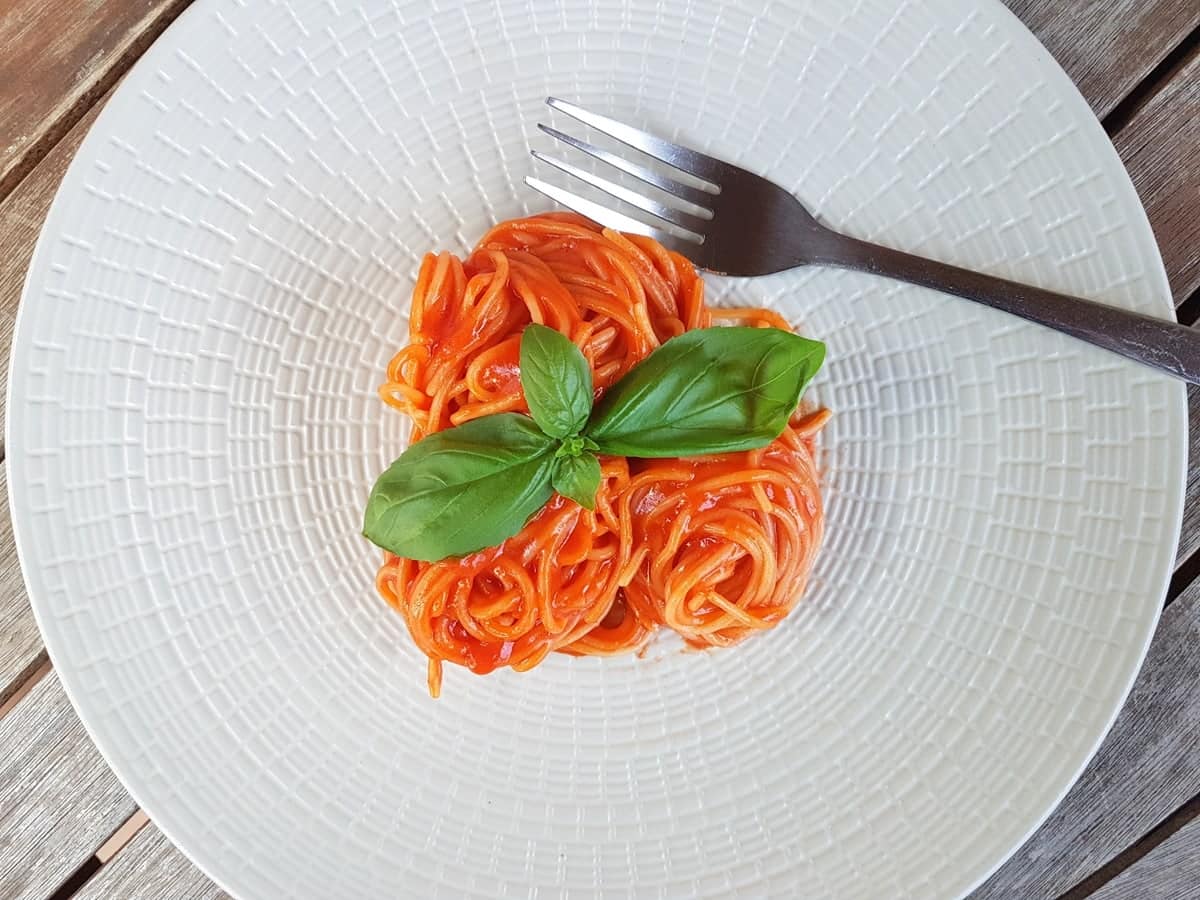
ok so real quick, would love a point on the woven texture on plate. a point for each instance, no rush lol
(194, 427)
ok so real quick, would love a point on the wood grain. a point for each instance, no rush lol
(56, 58)
(150, 868)
(1189, 533)
(1171, 871)
(21, 650)
(21, 217)
(1148, 765)
(58, 800)
(1108, 46)
(1161, 150)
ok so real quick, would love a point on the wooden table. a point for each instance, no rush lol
(1130, 828)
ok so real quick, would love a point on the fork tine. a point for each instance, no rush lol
(693, 196)
(683, 158)
(612, 219)
(659, 210)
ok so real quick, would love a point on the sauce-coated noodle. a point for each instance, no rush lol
(713, 547)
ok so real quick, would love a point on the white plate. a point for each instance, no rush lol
(193, 428)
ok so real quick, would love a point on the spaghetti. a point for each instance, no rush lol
(712, 547)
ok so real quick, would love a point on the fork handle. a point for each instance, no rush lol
(1158, 343)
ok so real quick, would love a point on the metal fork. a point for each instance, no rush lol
(734, 222)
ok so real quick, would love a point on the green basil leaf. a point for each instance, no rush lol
(578, 478)
(462, 489)
(711, 390)
(557, 381)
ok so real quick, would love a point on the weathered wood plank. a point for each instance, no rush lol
(150, 868)
(1159, 147)
(56, 58)
(1108, 46)
(58, 800)
(1171, 871)
(1189, 532)
(21, 217)
(1147, 767)
(21, 650)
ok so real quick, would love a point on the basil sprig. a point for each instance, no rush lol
(711, 390)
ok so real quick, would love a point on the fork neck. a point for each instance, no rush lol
(822, 246)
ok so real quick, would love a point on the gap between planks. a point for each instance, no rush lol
(1189, 310)
(122, 836)
(1157, 78)
(92, 866)
(40, 671)
(1130, 856)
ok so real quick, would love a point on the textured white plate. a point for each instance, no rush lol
(193, 428)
